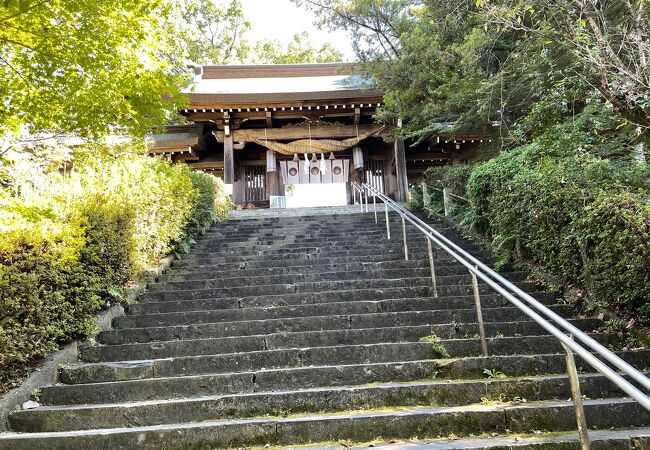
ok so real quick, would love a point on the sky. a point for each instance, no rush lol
(281, 19)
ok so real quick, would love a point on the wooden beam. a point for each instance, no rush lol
(287, 114)
(357, 115)
(228, 160)
(427, 156)
(294, 133)
(190, 156)
(207, 165)
(400, 165)
(269, 120)
(176, 149)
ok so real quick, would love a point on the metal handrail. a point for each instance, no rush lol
(517, 297)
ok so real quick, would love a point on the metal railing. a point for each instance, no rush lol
(573, 340)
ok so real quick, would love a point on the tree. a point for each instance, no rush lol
(610, 38)
(212, 33)
(299, 50)
(374, 25)
(88, 67)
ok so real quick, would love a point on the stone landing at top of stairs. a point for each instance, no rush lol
(298, 328)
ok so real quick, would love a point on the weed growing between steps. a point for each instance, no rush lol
(438, 350)
(71, 241)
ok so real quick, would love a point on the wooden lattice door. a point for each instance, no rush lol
(255, 184)
(374, 174)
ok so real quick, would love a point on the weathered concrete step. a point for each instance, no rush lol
(309, 233)
(356, 426)
(313, 226)
(521, 365)
(183, 265)
(161, 349)
(138, 381)
(621, 439)
(327, 286)
(343, 240)
(360, 256)
(328, 321)
(190, 362)
(287, 288)
(324, 246)
(353, 275)
(327, 264)
(232, 309)
(186, 325)
(322, 251)
(416, 266)
(307, 401)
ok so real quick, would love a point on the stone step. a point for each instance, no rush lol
(323, 245)
(327, 321)
(357, 253)
(274, 341)
(360, 256)
(357, 426)
(320, 287)
(233, 309)
(308, 260)
(418, 267)
(353, 275)
(307, 401)
(327, 264)
(138, 380)
(187, 325)
(612, 439)
(187, 361)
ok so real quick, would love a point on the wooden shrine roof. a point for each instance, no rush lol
(284, 85)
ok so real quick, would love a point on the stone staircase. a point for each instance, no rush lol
(301, 329)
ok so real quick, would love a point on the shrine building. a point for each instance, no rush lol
(269, 129)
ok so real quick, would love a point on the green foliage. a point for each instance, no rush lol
(216, 33)
(583, 218)
(69, 243)
(494, 373)
(212, 32)
(615, 235)
(299, 50)
(86, 66)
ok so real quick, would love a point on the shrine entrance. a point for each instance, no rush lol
(315, 182)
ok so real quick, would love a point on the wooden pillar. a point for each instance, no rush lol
(228, 160)
(400, 168)
(356, 174)
(239, 185)
(273, 183)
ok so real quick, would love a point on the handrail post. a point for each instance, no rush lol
(387, 222)
(374, 204)
(426, 201)
(446, 200)
(561, 329)
(360, 199)
(365, 191)
(434, 284)
(576, 396)
(479, 315)
(406, 249)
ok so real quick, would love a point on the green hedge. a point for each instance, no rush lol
(71, 244)
(583, 218)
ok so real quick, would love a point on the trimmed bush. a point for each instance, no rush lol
(70, 243)
(583, 218)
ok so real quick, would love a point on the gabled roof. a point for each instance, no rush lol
(256, 85)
